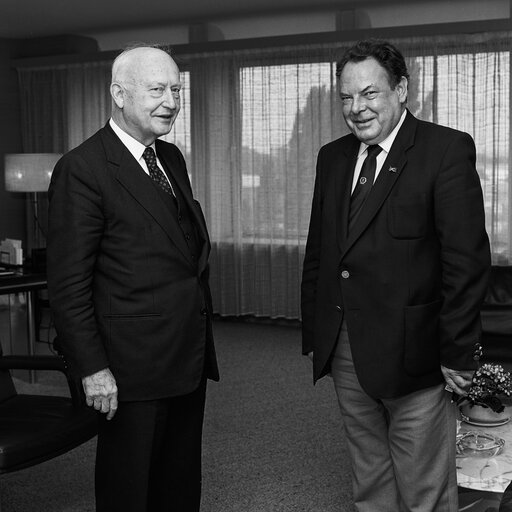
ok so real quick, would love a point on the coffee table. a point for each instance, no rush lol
(491, 474)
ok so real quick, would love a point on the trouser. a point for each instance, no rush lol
(402, 449)
(149, 456)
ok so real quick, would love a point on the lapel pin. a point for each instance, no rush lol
(392, 169)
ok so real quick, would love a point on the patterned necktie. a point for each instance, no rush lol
(155, 172)
(364, 184)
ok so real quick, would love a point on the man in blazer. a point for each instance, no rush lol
(393, 284)
(128, 284)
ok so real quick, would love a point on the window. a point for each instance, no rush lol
(257, 119)
(471, 92)
(286, 115)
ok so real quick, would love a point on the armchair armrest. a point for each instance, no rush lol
(57, 363)
(32, 363)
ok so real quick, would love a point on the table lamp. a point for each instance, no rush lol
(30, 173)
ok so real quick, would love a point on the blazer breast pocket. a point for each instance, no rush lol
(407, 218)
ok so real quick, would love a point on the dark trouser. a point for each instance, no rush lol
(149, 456)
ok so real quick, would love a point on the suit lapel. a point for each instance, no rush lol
(133, 178)
(388, 175)
(343, 186)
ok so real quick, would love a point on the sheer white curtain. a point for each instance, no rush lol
(259, 122)
(251, 125)
(264, 115)
(464, 82)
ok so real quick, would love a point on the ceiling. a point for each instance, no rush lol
(36, 18)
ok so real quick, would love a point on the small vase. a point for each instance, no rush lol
(483, 416)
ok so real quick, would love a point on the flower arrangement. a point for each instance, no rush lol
(489, 381)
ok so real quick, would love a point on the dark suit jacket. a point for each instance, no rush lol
(411, 276)
(124, 289)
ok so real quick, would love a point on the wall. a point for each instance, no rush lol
(410, 13)
(12, 205)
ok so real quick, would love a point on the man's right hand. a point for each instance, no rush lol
(101, 392)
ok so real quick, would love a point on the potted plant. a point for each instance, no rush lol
(483, 405)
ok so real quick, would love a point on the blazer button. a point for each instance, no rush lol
(338, 308)
(204, 312)
(345, 274)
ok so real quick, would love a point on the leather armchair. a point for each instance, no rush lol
(36, 428)
(497, 318)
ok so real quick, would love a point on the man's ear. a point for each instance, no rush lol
(401, 89)
(117, 92)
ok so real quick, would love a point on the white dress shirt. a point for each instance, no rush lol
(136, 148)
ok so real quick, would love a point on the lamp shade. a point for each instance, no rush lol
(29, 172)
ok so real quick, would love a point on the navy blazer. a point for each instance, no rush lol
(410, 277)
(123, 286)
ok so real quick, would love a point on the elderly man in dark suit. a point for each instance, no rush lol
(128, 284)
(396, 269)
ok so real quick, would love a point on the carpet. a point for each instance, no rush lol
(273, 442)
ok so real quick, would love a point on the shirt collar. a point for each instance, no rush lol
(388, 141)
(133, 145)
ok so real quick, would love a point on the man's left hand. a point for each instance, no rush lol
(458, 380)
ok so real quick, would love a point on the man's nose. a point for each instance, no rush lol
(169, 99)
(358, 105)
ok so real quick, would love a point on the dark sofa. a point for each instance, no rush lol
(497, 318)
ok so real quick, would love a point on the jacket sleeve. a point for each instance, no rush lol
(75, 229)
(311, 265)
(465, 254)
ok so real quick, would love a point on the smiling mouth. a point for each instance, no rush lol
(166, 115)
(362, 122)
